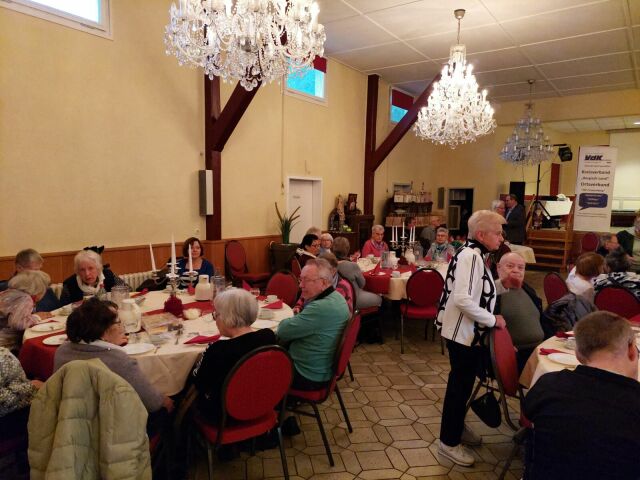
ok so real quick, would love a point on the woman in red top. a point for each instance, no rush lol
(375, 245)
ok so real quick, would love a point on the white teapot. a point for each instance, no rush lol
(130, 315)
(203, 289)
(409, 256)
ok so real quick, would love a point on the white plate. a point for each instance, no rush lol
(564, 359)
(55, 340)
(138, 348)
(48, 327)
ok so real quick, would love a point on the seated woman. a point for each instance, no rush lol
(16, 304)
(618, 264)
(16, 393)
(440, 250)
(235, 312)
(375, 245)
(308, 248)
(200, 264)
(326, 241)
(580, 279)
(94, 331)
(88, 277)
(353, 274)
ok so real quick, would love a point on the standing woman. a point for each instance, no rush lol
(465, 314)
(200, 264)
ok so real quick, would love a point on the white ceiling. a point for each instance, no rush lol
(568, 46)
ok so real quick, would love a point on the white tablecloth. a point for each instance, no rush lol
(526, 252)
(167, 368)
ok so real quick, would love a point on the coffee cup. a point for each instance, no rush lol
(272, 298)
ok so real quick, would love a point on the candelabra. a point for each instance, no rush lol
(173, 304)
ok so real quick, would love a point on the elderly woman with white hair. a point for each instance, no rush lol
(326, 242)
(235, 312)
(88, 277)
(499, 207)
(465, 315)
(376, 244)
(17, 303)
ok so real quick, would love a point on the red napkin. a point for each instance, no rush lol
(376, 269)
(202, 339)
(277, 305)
(246, 286)
(262, 297)
(564, 334)
(547, 351)
(139, 294)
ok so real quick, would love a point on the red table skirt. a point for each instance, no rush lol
(379, 284)
(36, 358)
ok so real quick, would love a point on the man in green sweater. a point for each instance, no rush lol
(313, 334)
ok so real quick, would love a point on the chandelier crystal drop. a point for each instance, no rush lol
(527, 145)
(250, 41)
(456, 112)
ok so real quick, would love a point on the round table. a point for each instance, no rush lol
(384, 283)
(166, 367)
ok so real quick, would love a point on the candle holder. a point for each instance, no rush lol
(173, 304)
(403, 244)
(191, 274)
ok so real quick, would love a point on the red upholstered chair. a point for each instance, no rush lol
(554, 287)
(635, 319)
(505, 371)
(617, 300)
(424, 288)
(285, 286)
(235, 264)
(316, 397)
(589, 242)
(296, 269)
(252, 390)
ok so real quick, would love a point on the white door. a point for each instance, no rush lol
(301, 195)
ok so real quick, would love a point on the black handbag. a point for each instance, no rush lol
(487, 409)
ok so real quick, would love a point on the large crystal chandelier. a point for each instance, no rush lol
(252, 41)
(456, 112)
(527, 145)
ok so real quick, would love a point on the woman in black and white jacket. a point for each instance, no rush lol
(465, 314)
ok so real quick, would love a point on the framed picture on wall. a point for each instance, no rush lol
(352, 200)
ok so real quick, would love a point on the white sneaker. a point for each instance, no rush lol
(469, 437)
(458, 454)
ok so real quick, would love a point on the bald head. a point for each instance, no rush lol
(511, 270)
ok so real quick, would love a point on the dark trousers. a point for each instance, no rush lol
(464, 366)
(303, 383)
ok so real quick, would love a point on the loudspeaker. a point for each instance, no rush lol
(517, 188)
(205, 184)
(565, 154)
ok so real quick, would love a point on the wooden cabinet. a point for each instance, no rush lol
(361, 227)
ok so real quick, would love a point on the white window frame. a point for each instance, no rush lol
(101, 29)
(305, 96)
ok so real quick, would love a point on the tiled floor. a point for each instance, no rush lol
(395, 406)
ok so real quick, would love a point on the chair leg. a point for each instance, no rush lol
(473, 396)
(344, 410)
(283, 458)
(210, 460)
(505, 410)
(379, 315)
(350, 371)
(323, 434)
(401, 333)
(510, 458)
(252, 451)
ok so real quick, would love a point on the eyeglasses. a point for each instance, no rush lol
(307, 280)
(315, 245)
(215, 315)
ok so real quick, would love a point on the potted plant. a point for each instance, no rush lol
(281, 253)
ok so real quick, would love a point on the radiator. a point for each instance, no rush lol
(134, 280)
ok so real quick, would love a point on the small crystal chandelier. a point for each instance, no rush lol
(252, 41)
(527, 145)
(456, 112)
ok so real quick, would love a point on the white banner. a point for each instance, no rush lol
(594, 188)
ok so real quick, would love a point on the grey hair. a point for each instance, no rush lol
(33, 282)
(87, 255)
(495, 204)
(341, 247)
(314, 231)
(326, 236)
(605, 237)
(482, 220)
(324, 268)
(442, 229)
(237, 308)
(377, 228)
(26, 257)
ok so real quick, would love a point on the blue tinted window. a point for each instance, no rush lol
(397, 113)
(310, 81)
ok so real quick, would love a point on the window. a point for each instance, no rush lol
(90, 16)
(309, 82)
(400, 104)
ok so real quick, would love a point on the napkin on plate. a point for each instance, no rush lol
(202, 339)
(277, 305)
(564, 334)
(548, 351)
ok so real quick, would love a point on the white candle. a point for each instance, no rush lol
(403, 229)
(173, 255)
(393, 233)
(153, 260)
(413, 234)
(190, 261)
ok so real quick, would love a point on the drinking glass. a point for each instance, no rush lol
(119, 293)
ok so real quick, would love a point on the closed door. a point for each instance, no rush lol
(301, 195)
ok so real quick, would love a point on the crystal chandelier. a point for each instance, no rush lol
(527, 145)
(456, 112)
(252, 41)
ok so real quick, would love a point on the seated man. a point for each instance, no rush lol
(29, 259)
(441, 250)
(608, 243)
(630, 242)
(520, 307)
(313, 334)
(618, 264)
(586, 421)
